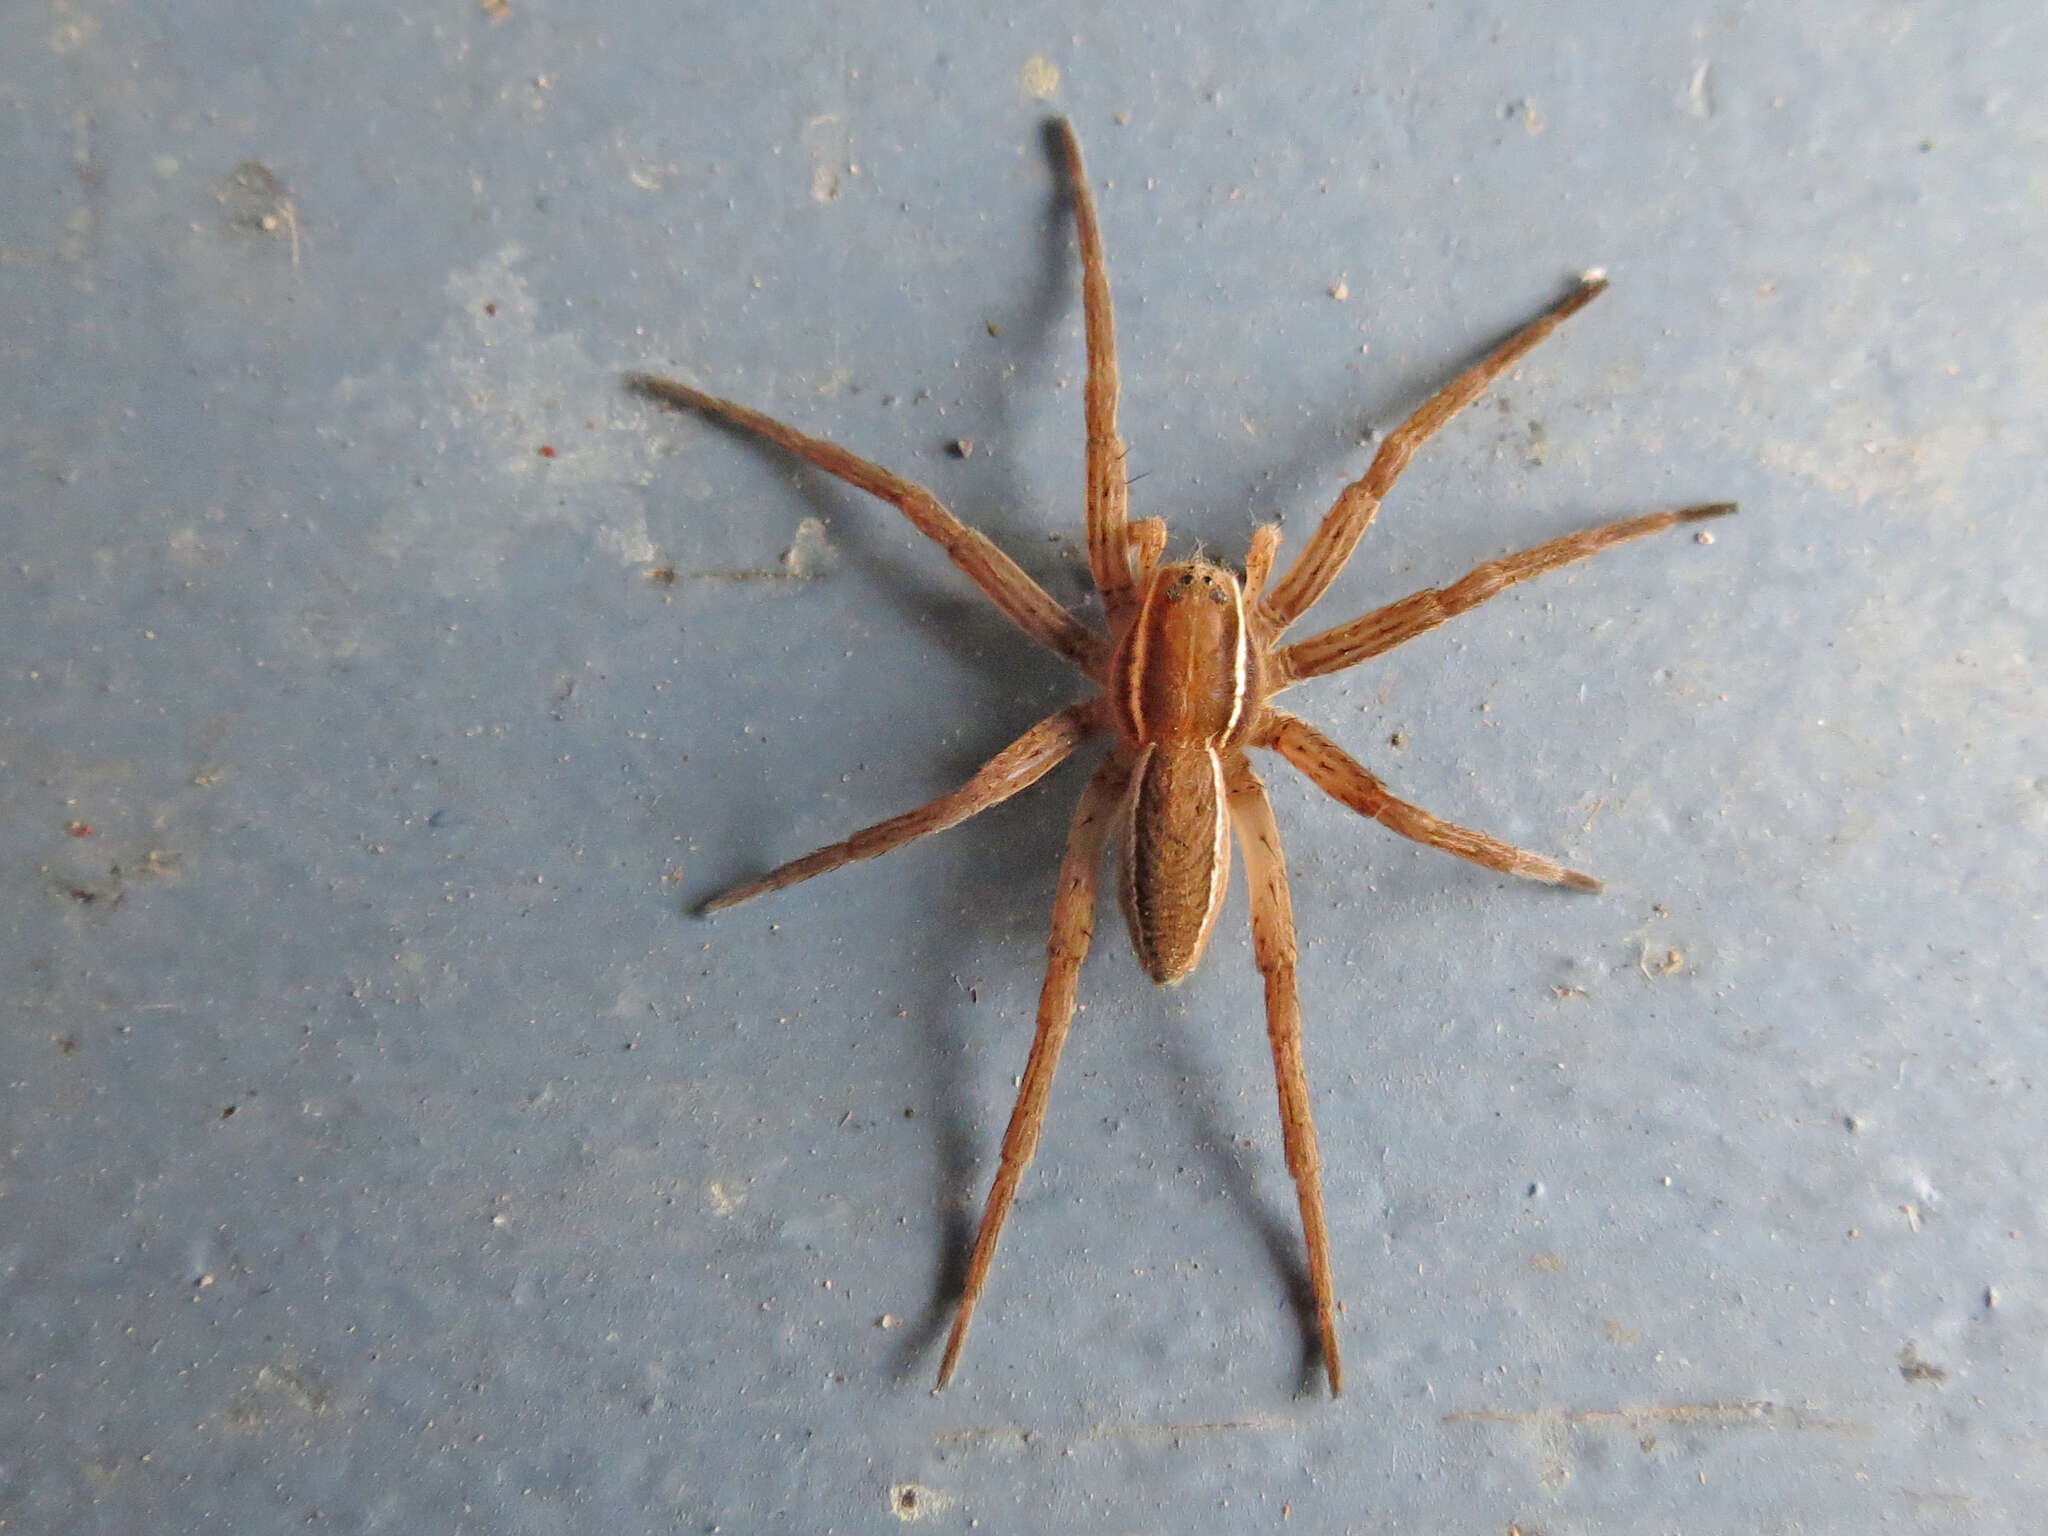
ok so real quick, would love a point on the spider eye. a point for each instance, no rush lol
(1217, 594)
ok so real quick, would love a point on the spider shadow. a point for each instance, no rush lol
(971, 633)
(960, 1152)
(1032, 838)
(1016, 383)
(1020, 684)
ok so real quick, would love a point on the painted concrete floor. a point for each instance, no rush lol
(385, 1148)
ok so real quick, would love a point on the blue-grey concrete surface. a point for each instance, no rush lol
(382, 1147)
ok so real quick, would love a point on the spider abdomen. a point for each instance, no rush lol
(1175, 859)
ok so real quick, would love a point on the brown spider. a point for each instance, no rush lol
(1187, 675)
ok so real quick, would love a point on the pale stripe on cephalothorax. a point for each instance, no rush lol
(1240, 669)
(1140, 643)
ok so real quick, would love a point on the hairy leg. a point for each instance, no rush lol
(1265, 869)
(1338, 775)
(1258, 562)
(1073, 925)
(1028, 605)
(1345, 523)
(1384, 628)
(1148, 543)
(1017, 767)
(1108, 491)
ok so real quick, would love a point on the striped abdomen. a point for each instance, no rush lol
(1176, 857)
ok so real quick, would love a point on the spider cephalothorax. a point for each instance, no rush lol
(1186, 676)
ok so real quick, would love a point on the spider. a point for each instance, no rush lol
(1187, 677)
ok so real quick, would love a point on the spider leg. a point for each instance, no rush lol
(1017, 767)
(1004, 582)
(1260, 562)
(1073, 925)
(1345, 523)
(1384, 628)
(1265, 870)
(1339, 776)
(1148, 543)
(1108, 492)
